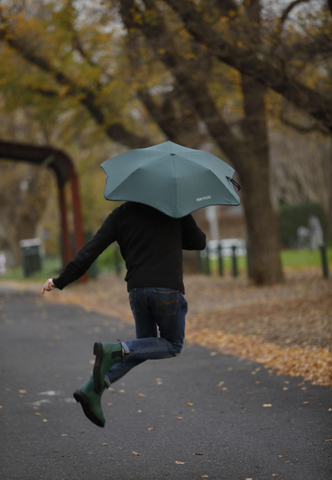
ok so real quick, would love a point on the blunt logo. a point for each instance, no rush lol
(203, 198)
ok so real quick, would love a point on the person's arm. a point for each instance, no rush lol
(192, 236)
(85, 257)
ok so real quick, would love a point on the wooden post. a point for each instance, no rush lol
(325, 266)
(66, 251)
(220, 260)
(78, 225)
(234, 263)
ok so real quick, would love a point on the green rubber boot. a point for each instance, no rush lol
(107, 354)
(91, 402)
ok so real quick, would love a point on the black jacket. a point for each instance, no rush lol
(150, 242)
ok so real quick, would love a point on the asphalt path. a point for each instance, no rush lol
(223, 418)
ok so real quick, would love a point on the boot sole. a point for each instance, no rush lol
(98, 352)
(81, 398)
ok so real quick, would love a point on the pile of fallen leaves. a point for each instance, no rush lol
(286, 327)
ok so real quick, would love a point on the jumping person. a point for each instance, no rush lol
(151, 244)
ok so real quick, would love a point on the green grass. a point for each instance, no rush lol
(290, 258)
(304, 258)
(50, 268)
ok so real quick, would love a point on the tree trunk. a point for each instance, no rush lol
(249, 153)
(263, 233)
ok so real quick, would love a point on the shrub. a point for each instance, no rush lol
(291, 217)
(107, 260)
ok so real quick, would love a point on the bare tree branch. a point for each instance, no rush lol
(79, 47)
(329, 3)
(282, 20)
(268, 71)
(186, 73)
(314, 127)
(288, 10)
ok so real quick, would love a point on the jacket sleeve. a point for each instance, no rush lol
(85, 257)
(192, 236)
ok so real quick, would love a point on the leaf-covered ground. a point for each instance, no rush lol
(287, 327)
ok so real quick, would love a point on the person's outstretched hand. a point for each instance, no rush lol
(48, 286)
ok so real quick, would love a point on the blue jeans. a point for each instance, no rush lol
(153, 308)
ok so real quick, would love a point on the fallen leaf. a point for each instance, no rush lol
(37, 413)
(285, 388)
(88, 453)
(122, 391)
(213, 354)
(280, 456)
(274, 474)
(110, 404)
(91, 362)
(64, 435)
(305, 403)
(150, 429)
(139, 411)
(44, 420)
(136, 454)
(141, 395)
(220, 384)
(287, 461)
(180, 463)
(240, 337)
(105, 444)
(330, 410)
(224, 388)
(328, 440)
(22, 391)
(189, 403)
(179, 418)
(267, 405)
(205, 476)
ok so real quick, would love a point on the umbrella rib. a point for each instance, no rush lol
(131, 173)
(197, 164)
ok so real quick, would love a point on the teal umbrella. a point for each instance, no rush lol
(174, 179)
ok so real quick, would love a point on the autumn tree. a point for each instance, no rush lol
(247, 149)
(80, 59)
(283, 60)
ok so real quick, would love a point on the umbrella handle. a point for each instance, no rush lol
(234, 183)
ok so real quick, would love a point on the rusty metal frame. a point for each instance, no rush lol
(64, 170)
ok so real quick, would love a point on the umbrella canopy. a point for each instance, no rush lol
(174, 179)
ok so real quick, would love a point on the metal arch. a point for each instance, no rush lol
(64, 171)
